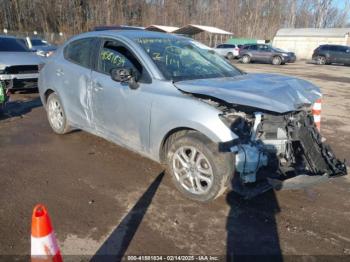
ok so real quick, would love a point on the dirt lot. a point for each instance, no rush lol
(106, 200)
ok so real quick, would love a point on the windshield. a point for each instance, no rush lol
(184, 59)
(38, 42)
(12, 45)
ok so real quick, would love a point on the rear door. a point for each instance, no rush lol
(74, 75)
(334, 54)
(220, 49)
(264, 53)
(254, 53)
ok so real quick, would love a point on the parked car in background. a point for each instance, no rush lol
(177, 102)
(230, 51)
(40, 46)
(265, 54)
(328, 54)
(19, 67)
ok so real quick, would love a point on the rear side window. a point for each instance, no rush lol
(80, 51)
(342, 49)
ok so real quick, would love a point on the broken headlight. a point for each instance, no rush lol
(237, 123)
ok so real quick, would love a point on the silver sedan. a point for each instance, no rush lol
(175, 101)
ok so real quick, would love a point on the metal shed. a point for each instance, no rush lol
(192, 30)
(161, 28)
(303, 41)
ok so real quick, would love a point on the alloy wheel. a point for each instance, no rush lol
(55, 112)
(192, 170)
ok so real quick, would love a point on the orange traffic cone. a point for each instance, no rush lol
(316, 111)
(44, 245)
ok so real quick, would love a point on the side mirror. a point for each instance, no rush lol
(124, 75)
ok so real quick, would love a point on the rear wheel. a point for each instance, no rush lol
(197, 168)
(230, 56)
(276, 60)
(246, 59)
(321, 60)
(56, 115)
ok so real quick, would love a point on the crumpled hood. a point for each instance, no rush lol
(19, 58)
(276, 93)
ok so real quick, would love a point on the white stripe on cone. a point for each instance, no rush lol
(317, 118)
(44, 246)
(317, 106)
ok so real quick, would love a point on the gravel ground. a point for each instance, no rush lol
(104, 199)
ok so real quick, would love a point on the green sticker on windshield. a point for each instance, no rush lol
(113, 58)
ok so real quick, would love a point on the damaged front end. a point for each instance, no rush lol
(281, 151)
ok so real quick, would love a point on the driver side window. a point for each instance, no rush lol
(113, 55)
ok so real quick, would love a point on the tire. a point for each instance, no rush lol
(276, 60)
(230, 56)
(246, 59)
(208, 175)
(321, 60)
(56, 115)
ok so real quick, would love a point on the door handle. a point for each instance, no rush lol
(59, 72)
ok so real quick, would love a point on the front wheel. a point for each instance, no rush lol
(56, 115)
(246, 59)
(276, 60)
(321, 60)
(230, 56)
(197, 168)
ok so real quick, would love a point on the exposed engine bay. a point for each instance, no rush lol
(274, 150)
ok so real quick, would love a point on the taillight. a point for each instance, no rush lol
(50, 53)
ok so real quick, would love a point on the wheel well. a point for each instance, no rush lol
(169, 137)
(47, 93)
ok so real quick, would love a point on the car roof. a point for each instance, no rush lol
(131, 34)
(332, 45)
(9, 36)
(117, 27)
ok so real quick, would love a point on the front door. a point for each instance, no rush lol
(121, 113)
(264, 53)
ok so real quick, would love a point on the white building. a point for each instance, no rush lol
(303, 41)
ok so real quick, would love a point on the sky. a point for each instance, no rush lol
(341, 4)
